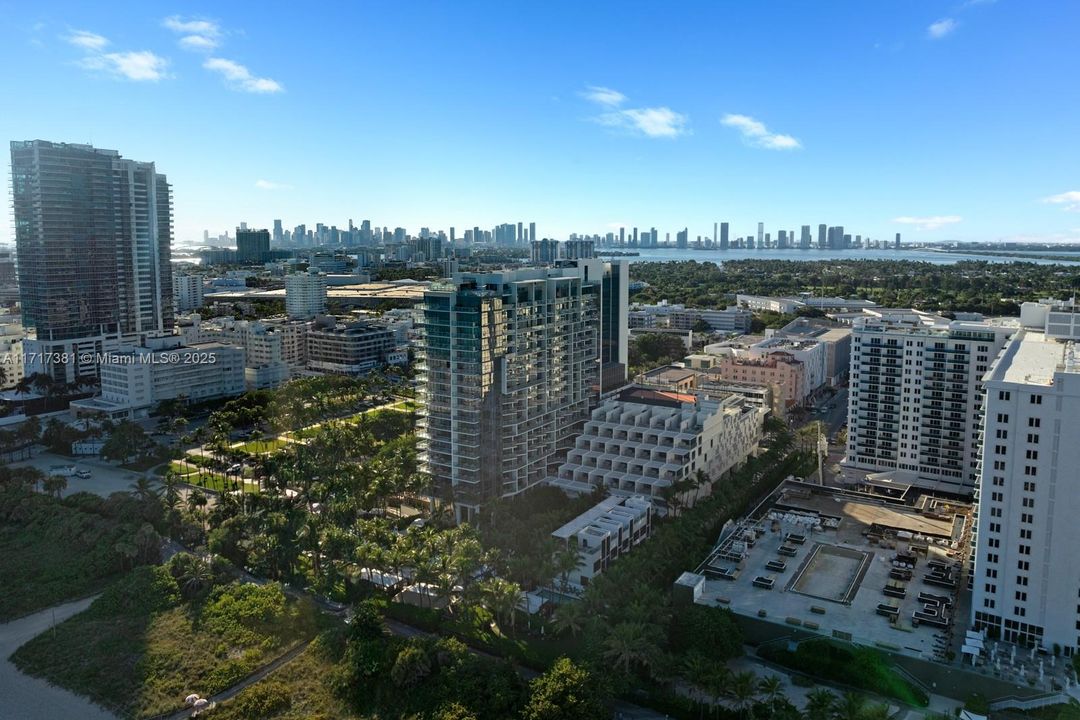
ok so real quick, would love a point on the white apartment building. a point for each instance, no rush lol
(1026, 579)
(761, 303)
(11, 351)
(135, 379)
(264, 344)
(733, 319)
(604, 532)
(835, 337)
(916, 399)
(187, 292)
(305, 294)
(644, 441)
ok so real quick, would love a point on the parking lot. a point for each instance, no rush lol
(842, 580)
(104, 480)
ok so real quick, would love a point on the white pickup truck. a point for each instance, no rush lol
(62, 470)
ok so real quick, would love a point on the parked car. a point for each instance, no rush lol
(84, 474)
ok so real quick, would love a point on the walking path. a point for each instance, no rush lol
(29, 698)
(255, 677)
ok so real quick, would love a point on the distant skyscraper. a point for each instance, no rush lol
(622, 236)
(532, 231)
(252, 246)
(520, 234)
(681, 238)
(822, 238)
(279, 233)
(93, 234)
(723, 236)
(544, 252)
(804, 239)
(760, 233)
(897, 243)
(715, 235)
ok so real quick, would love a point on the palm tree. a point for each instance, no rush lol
(143, 489)
(851, 707)
(501, 597)
(171, 487)
(743, 691)
(54, 485)
(629, 645)
(570, 617)
(717, 683)
(197, 575)
(771, 688)
(820, 704)
(127, 552)
(567, 560)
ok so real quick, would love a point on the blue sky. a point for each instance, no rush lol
(943, 120)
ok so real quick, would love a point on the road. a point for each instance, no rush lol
(835, 418)
(28, 698)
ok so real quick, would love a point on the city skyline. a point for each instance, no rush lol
(584, 122)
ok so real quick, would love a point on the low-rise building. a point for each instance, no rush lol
(270, 349)
(733, 319)
(604, 532)
(791, 305)
(783, 373)
(135, 379)
(835, 337)
(350, 348)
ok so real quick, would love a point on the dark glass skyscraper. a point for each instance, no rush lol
(93, 234)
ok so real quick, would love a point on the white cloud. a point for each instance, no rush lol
(603, 96)
(757, 134)
(199, 35)
(271, 185)
(652, 122)
(1069, 200)
(138, 65)
(198, 43)
(192, 26)
(931, 222)
(240, 78)
(941, 28)
(87, 40)
(656, 122)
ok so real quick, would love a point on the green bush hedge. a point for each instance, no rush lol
(858, 667)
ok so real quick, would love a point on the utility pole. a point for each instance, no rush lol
(823, 450)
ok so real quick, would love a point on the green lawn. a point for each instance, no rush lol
(263, 447)
(53, 550)
(209, 479)
(140, 650)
